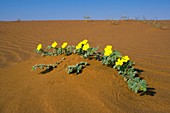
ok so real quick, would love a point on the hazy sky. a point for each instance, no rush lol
(77, 9)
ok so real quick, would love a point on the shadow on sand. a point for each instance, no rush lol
(150, 92)
(47, 70)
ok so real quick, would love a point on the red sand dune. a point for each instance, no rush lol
(98, 88)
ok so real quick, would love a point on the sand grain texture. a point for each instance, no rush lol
(98, 89)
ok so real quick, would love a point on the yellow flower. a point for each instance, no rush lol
(119, 62)
(84, 41)
(125, 58)
(79, 45)
(107, 53)
(39, 47)
(54, 44)
(109, 46)
(108, 50)
(86, 47)
(64, 44)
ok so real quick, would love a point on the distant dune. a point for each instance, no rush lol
(98, 89)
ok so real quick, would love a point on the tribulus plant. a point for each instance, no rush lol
(108, 57)
(136, 84)
(64, 49)
(124, 67)
(42, 66)
(47, 66)
(84, 49)
(67, 50)
(76, 68)
(40, 49)
(56, 50)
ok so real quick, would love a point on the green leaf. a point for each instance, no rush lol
(48, 67)
(80, 67)
(118, 67)
(134, 86)
(137, 79)
(34, 68)
(85, 55)
(136, 89)
(144, 89)
(133, 74)
(41, 67)
(95, 49)
(78, 71)
(120, 72)
(85, 63)
(69, 71)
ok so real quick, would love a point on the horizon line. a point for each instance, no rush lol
(22, 20)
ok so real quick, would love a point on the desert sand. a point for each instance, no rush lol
(98, 89)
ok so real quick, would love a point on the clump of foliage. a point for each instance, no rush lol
(158, 24)
(83, 48)
(87, 18)
(114, 22)
(155, 23)
(64, 49)
(47, 66)
(124, 18)
(124, 67)
(76, 68)
(137, 84)
(108, 57)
